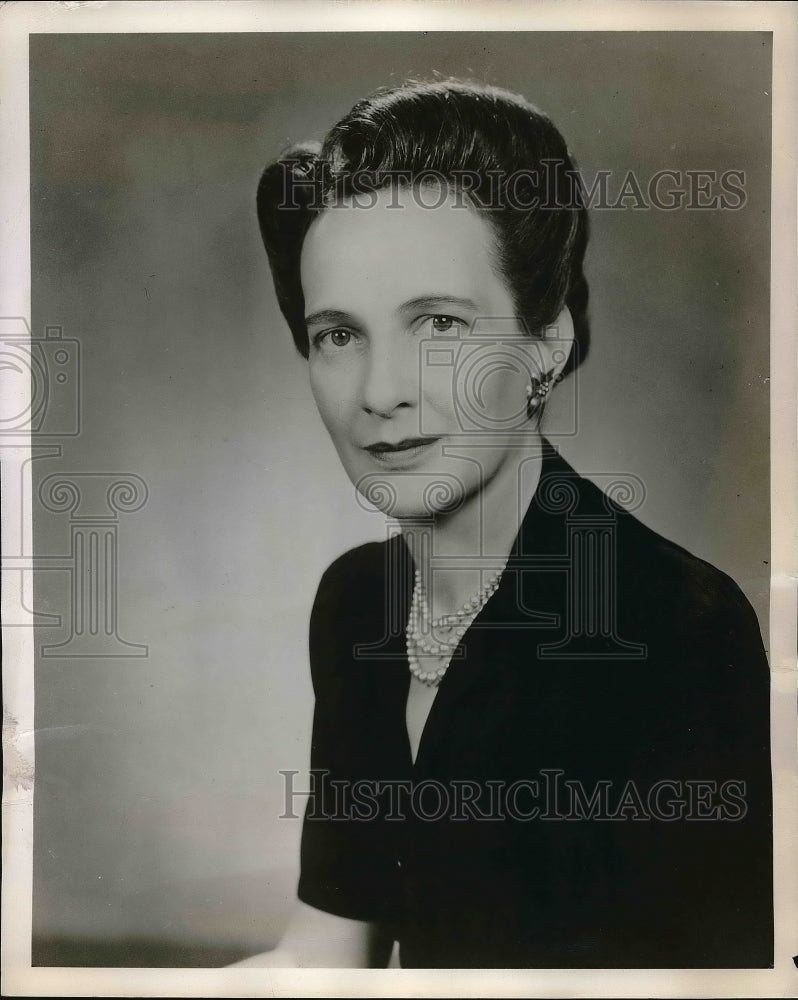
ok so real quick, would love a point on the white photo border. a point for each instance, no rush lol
(17, 22)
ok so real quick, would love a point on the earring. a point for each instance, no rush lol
(537, 391)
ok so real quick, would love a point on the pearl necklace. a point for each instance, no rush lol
(423, 645)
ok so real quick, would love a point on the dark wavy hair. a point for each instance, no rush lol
(502, 152)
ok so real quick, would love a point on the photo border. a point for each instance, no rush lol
(17, 22)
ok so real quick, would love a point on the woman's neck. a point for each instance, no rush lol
(458, 552)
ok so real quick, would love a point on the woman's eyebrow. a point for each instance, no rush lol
(327, 316)
(433, 301)
(411, 305)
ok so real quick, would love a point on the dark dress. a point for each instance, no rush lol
(592, 787)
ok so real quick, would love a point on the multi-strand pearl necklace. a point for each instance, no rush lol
(424, 638)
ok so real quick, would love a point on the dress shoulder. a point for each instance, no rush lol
(349, 606)
(683, 587)
(673, 599)
(652, 570)
(367, 560)
(348, 579)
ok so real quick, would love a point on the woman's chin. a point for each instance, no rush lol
(407, 496)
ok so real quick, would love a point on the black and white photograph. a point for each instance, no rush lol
(398, 450)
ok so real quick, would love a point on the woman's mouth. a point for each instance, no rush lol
(400, 453)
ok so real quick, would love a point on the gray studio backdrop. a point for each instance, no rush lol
(157, 837)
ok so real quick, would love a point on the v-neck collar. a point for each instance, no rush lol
(538, 536)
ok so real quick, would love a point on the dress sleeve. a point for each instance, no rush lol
(713, 877)
(732, 861)
(348, 860)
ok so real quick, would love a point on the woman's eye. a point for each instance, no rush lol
(340, 338)
(443, 324)
(332, 338)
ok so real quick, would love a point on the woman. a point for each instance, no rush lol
(541, 730)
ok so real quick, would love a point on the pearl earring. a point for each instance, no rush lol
(538, 390)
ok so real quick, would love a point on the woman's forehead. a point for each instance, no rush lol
(397, 245)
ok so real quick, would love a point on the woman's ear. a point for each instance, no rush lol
(557, 343)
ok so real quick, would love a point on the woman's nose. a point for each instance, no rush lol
(390, 380)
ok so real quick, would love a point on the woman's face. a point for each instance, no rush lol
(417, 363)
